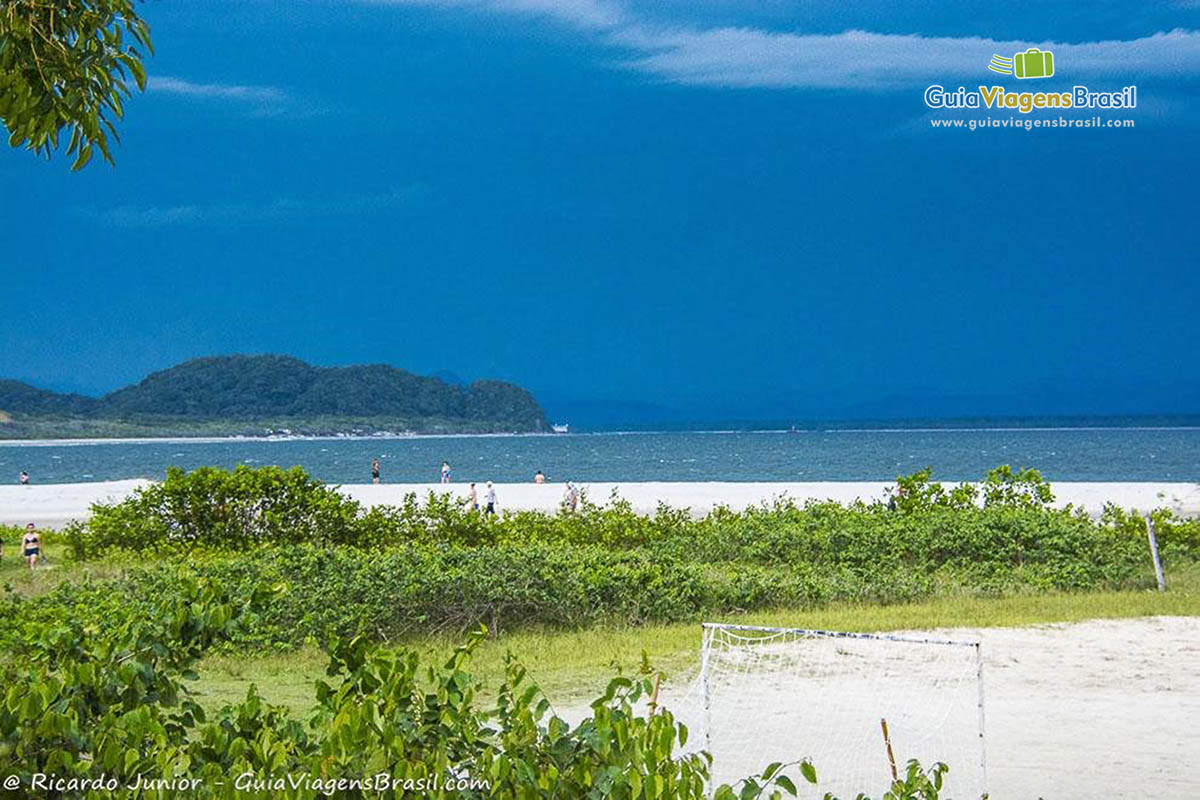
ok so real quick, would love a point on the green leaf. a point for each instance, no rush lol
(139, 72)
(85, 155)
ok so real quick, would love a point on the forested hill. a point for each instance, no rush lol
(258, 394)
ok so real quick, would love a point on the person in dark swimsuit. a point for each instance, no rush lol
(31, 545)
(375, 471)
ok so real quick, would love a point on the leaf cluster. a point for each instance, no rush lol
(65, 71)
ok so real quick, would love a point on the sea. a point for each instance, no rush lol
(1076, 453)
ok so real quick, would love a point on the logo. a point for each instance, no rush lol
(1033, 63)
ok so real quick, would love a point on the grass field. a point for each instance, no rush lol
(15, 575)
(52, 569)
(572, 666)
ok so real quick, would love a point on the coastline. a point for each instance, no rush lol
(54, 505)
(403, 435)
(382, 437)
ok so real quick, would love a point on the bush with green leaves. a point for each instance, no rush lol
(112, 706)
(422, 587)
(1024, 488)
(80, 699)
(246, 508)
(1178, 537)
(419, 589)
(436, 565)
(10, 535)
(215, 508)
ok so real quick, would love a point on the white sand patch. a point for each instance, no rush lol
(53, 505)
(1106, 708)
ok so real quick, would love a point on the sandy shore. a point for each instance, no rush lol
(53, 505)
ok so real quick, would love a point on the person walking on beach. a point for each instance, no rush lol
(375, 471)
(24, 478)
(473, 499)
(538, 477)
(571, 498)
(31, 545)
(491, 498)
(445, 472)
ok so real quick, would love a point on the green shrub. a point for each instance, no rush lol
(211, 507)
(112, 705)
(1178, 537)
(10, 535)
(435, 565)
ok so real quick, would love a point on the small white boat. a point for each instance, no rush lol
(561, 428)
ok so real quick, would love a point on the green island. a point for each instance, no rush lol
(270, 395)
(258, 621)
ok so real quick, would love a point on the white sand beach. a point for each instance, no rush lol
(53, 505)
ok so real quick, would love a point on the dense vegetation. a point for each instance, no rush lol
(20, 398)
(249, 394)
(433, 565)
(107, 708)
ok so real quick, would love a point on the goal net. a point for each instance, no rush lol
(772, 694)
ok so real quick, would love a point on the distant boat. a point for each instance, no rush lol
(561, 428)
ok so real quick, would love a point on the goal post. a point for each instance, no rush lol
(784, 694)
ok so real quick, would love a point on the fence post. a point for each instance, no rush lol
(1158, 568)
(887, 740)
(979, 711)
(704, 654)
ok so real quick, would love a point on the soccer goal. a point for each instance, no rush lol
(778, 694)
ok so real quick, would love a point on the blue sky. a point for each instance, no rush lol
(688, 210)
